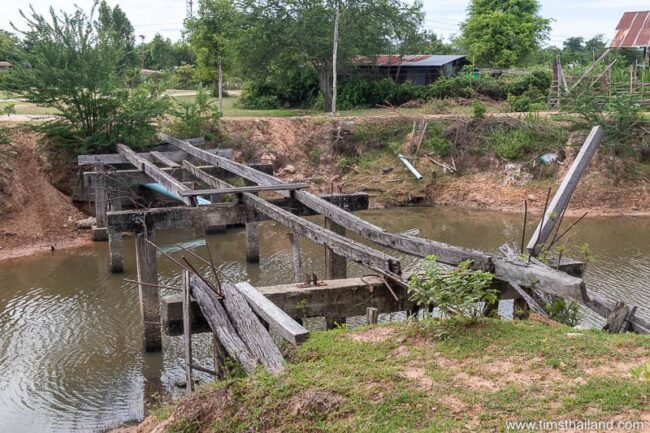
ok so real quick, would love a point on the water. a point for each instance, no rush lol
(70, 337)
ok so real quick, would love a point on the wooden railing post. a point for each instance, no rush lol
(147, 265)
(336, 265)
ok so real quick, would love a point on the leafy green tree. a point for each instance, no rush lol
(75, 65)
(114, 28)
(302, 30)
(8, 45)
(503, 33)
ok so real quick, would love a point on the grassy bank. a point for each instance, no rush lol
(428, 377)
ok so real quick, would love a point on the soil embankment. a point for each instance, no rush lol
(318, 150)
(34, 216)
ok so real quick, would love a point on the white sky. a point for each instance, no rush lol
(571, 17)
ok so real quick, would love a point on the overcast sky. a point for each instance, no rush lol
(570, 17)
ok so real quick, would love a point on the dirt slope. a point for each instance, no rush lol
(33, 214)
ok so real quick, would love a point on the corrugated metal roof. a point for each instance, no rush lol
(633, 31)
(5, 65)
(410, 60)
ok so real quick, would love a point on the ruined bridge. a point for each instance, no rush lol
(176, 172)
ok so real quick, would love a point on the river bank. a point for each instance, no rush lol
(342, 155)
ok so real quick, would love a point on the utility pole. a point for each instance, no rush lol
(189, 5)
(141, 52)
(337, 18)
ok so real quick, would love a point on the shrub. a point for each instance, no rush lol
(361, 92)
(436, 143)
(530, 100)
(198, 118)
(282, 87)
(4, 136)
(562, 311)
(538, 79)
(478, 110)
(186, 77)
(456, 293)
(510, 144)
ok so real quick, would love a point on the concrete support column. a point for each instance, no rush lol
(149, 304)
(213, 229)
(98, 231)
(336, 265)
(252, 238)
(115, 252)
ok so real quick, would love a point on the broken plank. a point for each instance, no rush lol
(277, 319)
(243, 189)
(164, 160)
(219, 322)
(563, 195)
(251, 330)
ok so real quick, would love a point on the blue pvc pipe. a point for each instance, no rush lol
(164, 191)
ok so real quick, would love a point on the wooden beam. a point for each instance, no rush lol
(251, 331)
(220, 324)
(243, 189)
(117, 159)
(369, 257)
(411, 245)
(563, 195)
(277, 319)
(336, 267)
(158, 175)
(164, 160)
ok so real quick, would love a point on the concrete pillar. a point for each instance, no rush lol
(115, 252)
(252, 238)
(214, 229)
(149, 304)
(98, 231)
(336, 265)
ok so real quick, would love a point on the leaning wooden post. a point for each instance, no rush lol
(98, 231)
(297, 261)
(336, 265)
(147, 265)
(187, 328)
(565, 191)
(252, 237)
(372, 315)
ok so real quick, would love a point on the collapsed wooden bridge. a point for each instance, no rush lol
(176, 172)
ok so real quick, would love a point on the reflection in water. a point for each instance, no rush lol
(70, 337)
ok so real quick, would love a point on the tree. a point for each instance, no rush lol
(302, 30)
(8, 45)
(79, 66)
(503, 33)
(114, 28)
(212, 35)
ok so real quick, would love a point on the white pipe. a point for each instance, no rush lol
(410, 167)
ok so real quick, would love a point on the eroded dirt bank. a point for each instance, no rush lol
(34, 216)
(359, 155)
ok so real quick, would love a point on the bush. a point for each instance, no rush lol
(282, 87)
(4, 136)
(510, 144)
(436, 143)
(186, 77)
(361, 92)
(478, 110)
(538, 79)
(456, 293)
(531, 100)
(198, 118)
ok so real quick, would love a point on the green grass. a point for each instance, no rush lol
(428, 377)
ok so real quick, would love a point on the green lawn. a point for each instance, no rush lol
(430, 377)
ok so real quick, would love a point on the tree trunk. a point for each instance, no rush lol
(220, 87)
(325, 83)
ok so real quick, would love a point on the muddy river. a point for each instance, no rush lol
(70, 337)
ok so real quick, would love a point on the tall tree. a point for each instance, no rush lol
(114, 28)
(503, 33)
(8, 45)
(212, 35)
(303, 30)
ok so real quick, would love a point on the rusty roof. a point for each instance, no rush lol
(633, 31)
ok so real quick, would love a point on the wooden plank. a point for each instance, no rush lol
(297, 260)
(277, 319)
(567, 187)
(348, 248)
(251, 189)
(163, 178)
(187, 328)
(372, 315)
(164, 160)
(251, 331)
(411, 245)
(217, 317)
(116, 158)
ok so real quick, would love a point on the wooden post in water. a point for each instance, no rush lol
(336, 265)
(297, 261)
(147, 265)
(252, 238)
(187, 329)
(98, 232)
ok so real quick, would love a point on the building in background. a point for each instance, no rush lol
(417, 69)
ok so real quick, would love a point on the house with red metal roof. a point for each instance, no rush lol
(418, 69)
